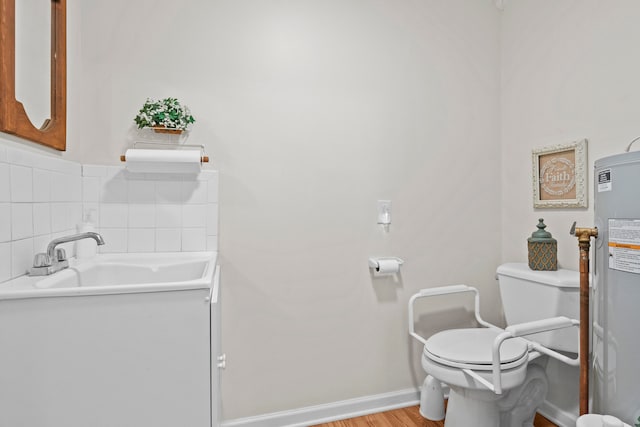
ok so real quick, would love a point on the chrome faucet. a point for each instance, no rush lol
(55, 259)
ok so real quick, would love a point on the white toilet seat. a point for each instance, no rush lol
(447, 353)
(472, 349)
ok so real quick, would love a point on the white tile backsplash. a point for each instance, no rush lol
(142, 192)
(90, 189)
(169, 192)
(142, 240)
(195, 191)
(142, 216)
(212, 219)
(59, 217)
(21, 220)
(113, 190)
(21, 256)
(41, 219)
(169, 216)
(5, 222)
(194, 239)
(168, 240)
(5, 261)
(5, 182)
(194, 216)
(21, 184)
(43, 197)
(42, 185)
(115, 240)
(114, 215)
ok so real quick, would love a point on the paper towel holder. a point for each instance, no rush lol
(203, 157)
(374, 262)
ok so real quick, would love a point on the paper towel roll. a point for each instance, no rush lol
(388, 266)
(141, 160)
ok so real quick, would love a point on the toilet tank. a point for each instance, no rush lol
(529, 295)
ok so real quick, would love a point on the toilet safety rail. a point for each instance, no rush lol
(515, 331)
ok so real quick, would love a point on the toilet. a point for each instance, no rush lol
(496, 377)
(594, 420)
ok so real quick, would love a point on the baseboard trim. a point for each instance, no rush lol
(340, 410)
(558, 416)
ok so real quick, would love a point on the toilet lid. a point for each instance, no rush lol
(473, 346)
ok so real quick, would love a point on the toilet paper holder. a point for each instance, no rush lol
(374, 262)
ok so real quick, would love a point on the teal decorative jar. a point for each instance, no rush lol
(543, 249)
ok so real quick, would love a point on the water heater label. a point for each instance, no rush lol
(624, 245)
(604, 180)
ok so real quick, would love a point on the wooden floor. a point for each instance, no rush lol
(405, 417)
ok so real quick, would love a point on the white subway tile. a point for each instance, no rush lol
(75, 188)
(142, 216)
(60, 213)
(194, 191)
(168, 240)
(113, 190)
(5, 261)
(115, 240)
(115, 172)
(169, 216)
(194, 239)
(75, 215)
(91, 211)
(194, 216)
(169, 192)
(59, 190)
(212, 219)
(114, 215)
(21, 221)
(41, 185)
(5, 222)
(21, 256)
(20, 157)
(21, 184)
(142, 191)
(90, 189)
(5, 182)
(142, 240)
(41, 219)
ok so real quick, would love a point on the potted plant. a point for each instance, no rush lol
(166, 116)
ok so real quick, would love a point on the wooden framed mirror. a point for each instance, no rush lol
(13, 116)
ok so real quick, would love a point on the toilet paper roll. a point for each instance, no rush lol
(388, 266)
(163, 161)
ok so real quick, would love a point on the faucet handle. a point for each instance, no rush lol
(41, 260)
(61, 254)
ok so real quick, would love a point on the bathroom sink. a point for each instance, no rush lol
(120, 273)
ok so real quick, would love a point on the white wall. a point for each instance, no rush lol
(311, 111)
(320, 109)
(569, 71)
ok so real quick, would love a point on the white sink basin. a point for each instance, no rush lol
(120, 273)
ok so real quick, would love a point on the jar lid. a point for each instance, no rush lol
(540, 235)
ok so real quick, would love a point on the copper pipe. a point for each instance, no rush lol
(584, 242)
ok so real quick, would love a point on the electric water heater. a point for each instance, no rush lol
(616, 288)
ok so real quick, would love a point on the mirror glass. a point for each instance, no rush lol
(33, 59)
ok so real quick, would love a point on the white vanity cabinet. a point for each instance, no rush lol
(133, 359)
